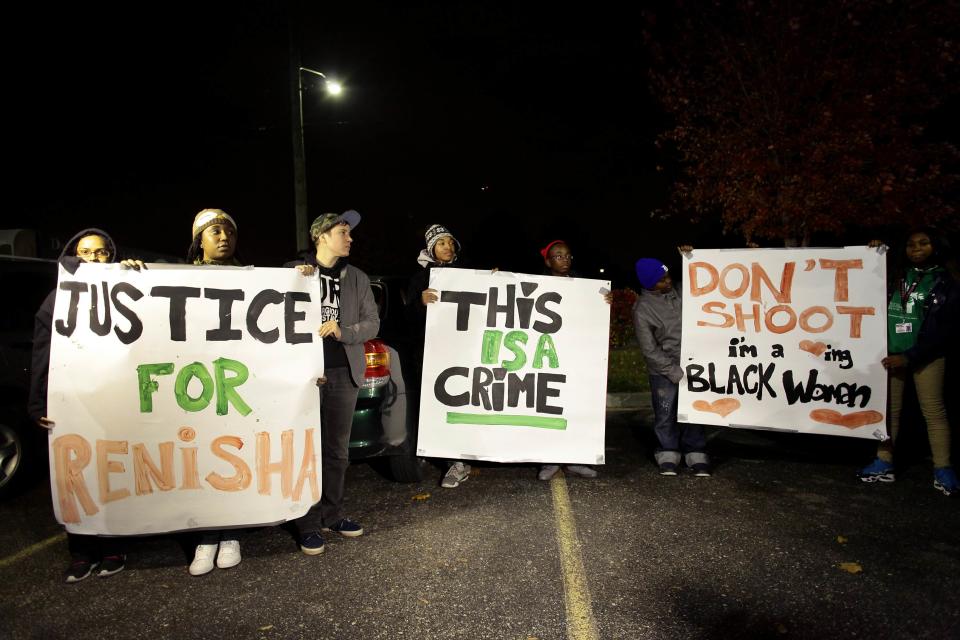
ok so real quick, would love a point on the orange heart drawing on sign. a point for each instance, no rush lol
(721, 407)
(849, 420)
(816, 348)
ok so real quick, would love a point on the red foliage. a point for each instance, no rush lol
(808, 117)
(621, 318)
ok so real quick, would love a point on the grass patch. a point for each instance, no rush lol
(627, 372)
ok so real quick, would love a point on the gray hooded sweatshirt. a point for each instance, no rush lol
(657, 321)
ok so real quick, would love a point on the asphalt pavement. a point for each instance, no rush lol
(782, 542)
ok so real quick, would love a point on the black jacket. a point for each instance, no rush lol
(40, 361)
(938, 331)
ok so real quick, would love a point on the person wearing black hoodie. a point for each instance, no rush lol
(87, 553)
(350, 318)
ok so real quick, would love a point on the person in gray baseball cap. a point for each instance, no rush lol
(350, 318)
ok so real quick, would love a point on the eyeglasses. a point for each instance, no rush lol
(559, 257)
(88, 253)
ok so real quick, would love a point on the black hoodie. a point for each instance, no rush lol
(40, 362)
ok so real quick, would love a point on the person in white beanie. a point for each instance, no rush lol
(214, 243)
(442, 250)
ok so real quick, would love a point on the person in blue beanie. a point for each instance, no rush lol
(657, 317)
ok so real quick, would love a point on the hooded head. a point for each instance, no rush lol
(70, 249)
(89, 245)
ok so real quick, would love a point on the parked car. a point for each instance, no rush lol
(24, 283)
(384, 423)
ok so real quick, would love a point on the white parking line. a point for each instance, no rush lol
(37, 546)
(576, 592)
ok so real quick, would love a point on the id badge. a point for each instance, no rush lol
(904, 327)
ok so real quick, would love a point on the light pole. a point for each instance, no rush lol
(334, 88)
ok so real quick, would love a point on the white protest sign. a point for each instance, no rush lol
(183, 397)
(514, 368)
(785, 339)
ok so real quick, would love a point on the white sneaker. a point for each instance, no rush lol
(203, 559)
(457, 473)
(229, 555)
(581, 470)
(547, 471)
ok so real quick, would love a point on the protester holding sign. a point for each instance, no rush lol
(922, 317)
(215, 243)
(657, 317)
(558, 262)
(86, 552)
(442, 250)
(350, 318)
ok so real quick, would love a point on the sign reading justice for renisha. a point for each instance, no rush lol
(786, 339)
(183, 397)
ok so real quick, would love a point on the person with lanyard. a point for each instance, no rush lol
(558, 262)
(350, 318)
(88, 553)
(922, 318)
(215, 243)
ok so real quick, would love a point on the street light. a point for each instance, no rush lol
(334, 88)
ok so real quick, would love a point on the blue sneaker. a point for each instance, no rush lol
(945, 481)
(877, 471)
(346, 528)
(311, 543)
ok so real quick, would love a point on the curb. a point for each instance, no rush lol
(628, 401)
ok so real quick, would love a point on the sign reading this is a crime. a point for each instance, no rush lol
(183, 397)
(514, 368)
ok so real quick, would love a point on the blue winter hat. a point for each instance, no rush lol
(649, 272)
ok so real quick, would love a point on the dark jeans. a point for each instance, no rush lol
(93, 548)
(216, 537)
(338, 399)
(673, 436)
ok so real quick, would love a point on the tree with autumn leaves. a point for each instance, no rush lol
(795, 119)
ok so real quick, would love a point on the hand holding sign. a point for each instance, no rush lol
(785, 338)
(329, 328)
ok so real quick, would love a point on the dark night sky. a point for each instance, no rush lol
(513, 126)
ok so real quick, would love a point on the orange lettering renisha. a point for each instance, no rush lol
(69, 476)
(265, 468)
(238, 481)
(105, 467)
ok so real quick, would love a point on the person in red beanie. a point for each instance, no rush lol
(558, 262)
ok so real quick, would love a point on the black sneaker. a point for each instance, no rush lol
(701, 470)
(311, 543)
(78, 570)
(346, 528)
(111, 565)
(668, 469)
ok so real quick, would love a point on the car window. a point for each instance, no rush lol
(28, 285)
(380, 296)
